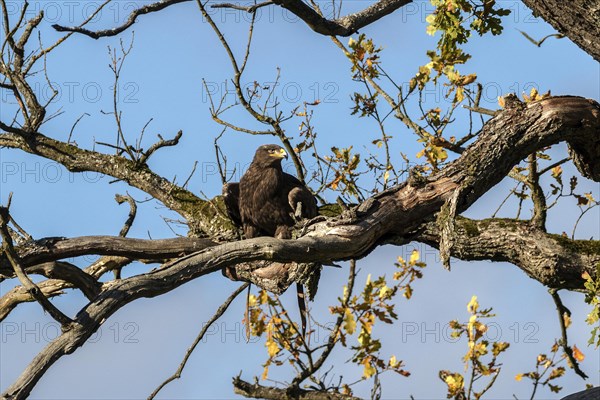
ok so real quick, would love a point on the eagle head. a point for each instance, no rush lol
(269, 154)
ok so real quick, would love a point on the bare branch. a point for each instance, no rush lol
(53, 249)
(132, 212)
(553, 260)
(160, 144)
(154, 7)
(69, 273)
(249, 9)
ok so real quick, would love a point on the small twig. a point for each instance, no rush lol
(220, 311)
(160, 144)
(249, 9)
(75, 124)
(539, 43)
(132, 212)
(482, 110)
(580, 217)
(562, 310)
(21, 231)
(220, 156)
(116, 66)
(185, 184)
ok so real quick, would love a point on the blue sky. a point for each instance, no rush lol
(173, 52)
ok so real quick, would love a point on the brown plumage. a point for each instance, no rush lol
(266, 199)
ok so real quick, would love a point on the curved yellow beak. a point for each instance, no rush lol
(281, 154)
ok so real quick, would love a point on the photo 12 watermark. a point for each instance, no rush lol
(438, 332)
(37, 332)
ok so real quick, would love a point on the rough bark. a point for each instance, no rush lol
(553, 260)
(579, 20)
(589, 394)
(53, 249)
(256, 391)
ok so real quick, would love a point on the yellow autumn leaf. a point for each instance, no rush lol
(577, 354)
(349, 322)
(460, 96)
(272, 348)
(534, 93)
(367, 323)
(557, 171)
(265, 373)
(468, 79)
(589, 197)
(501, 101)
(414, 257)
(252, 300)
(541, 358)
(455, 383)
(393, 361)
(473, 305)
(386, 176)
(566, 320)
(586, 276)
(384, 291)
(263, 297)
(519, 377)
(369, 371)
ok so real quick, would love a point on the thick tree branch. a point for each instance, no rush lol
(60, 270)
(344, 26)
(53, 249)
(553, 260)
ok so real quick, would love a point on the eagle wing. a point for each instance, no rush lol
(297, 193)
(231, 198)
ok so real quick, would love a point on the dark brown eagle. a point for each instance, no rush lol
(267, 201)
